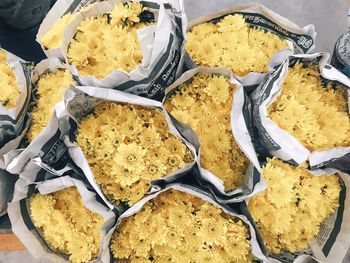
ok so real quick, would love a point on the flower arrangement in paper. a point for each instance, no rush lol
(204, 103)
(49, 91)
(67, 225)
(296, 202)
(178, 227)
(8, 83)
(233, 44)
(129, 146)
(108, 42)
(314, 112)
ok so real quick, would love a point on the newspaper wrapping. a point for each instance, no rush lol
(15, 121)
(13, 124)
(280, 143)
(43, 67)
(300, 39)
(332, 243)
(20, 215)
(256, 243)
(241, 123)
(162, 46)
(54, 149)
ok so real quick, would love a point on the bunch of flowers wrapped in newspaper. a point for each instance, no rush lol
(295, 203)
(107, 42)
(50, 87)
(231, 43)
(185, 225)
(66, 224)
(127, 147)
(196, 104)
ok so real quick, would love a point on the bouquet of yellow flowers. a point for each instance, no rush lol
(181, 224)
(126, 144)
(50, 79)
(15, 96)
(306, 115)
(15, 92)
(128, 45)
(109, 41)
(60, 219)
(132, 147)
(121, 143)
(248, 40)
(211, 103)
(294, 209)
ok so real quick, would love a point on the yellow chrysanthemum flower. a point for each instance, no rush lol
(127, 147)
(8, 83)
(196, 104)
(313, 112)
(67, 225)
(290, 211)
(131, 157)
(50, 90)
(177, 223)
(232, 44)
(108, 42)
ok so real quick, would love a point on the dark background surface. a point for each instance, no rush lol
(19, 23)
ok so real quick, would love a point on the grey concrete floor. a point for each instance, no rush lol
(329, 18)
